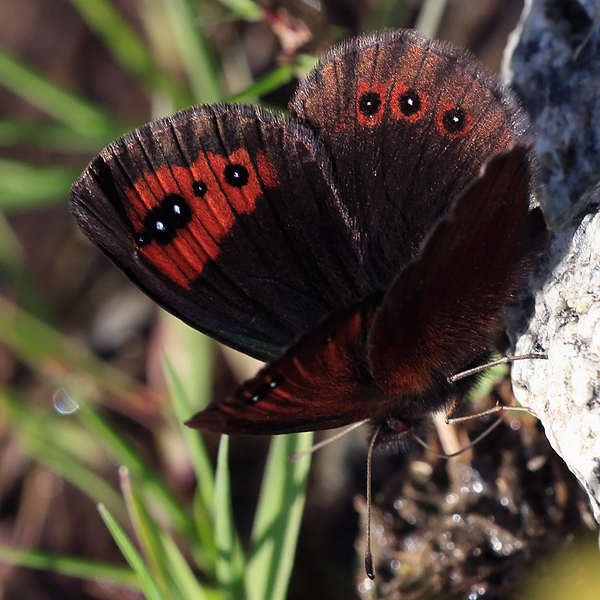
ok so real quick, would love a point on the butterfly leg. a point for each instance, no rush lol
(501, 361)
(452, 420)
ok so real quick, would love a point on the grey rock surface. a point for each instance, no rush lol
(555, 68)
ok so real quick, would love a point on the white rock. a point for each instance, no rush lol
(556, 71)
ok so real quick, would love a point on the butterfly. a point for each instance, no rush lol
(365, 246)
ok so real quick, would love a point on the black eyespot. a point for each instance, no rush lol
(455, 120)
(199, 188)
(409, 103)
(259, 395)
(369, 103)
(262, 392)
(276, 381)
(236, 175)
(164, 221)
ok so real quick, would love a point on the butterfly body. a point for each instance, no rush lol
(366, 246)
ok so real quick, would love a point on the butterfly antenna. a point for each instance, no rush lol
(467, 447)
(298, 455)
(501, 361)
(368, 554)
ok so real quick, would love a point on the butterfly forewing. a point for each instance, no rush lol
(207, 212)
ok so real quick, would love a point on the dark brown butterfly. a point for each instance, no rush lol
(367, 245)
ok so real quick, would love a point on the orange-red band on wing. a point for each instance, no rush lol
(213, 212)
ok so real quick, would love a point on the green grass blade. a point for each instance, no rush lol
(12, 254)
(113, 441)
(152, 485)
(204, 497)
(128, 49)
(65, 107)
(168, 565)
(183, 411)
(247, 10)
(132, 556)
(189, 376)
(430, 17)
(278, 518)
(119, 38)
(191, 355)
(72, 566)
(61, 431)
(230, 559)
(193, 51)
(189, 587)
(24, 186)
(51, 136)
(305, 63)
(71, 469)
(147, 534)
(275, 79)
(488, 379)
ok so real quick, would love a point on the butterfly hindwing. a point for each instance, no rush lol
(321, 382)
(436, 318)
